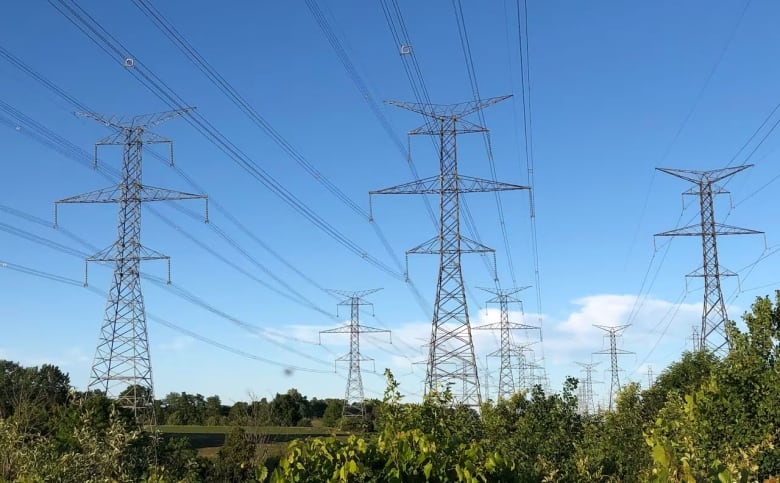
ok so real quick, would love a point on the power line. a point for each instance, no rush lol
(52, 140)
(77, 283)
(106, 42)
(472, 74)
(397, 26)
(232, 94)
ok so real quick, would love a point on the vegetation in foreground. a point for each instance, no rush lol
(704, 419)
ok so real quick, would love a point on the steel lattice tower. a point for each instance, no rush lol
(695, 338)
(713, 322)
(451, 356)
(122, 367)
(526, 371)
(650, 377)
(354, 400)
(586, 404)
(506, 382)
(613, 352)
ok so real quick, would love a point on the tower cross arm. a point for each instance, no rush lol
(510, 325)
(616, 351)
(710, 176)
(463, 184)
(719, 229)
(354, 294)
(143, 120)
(432, 246)
(460, 109)
(114, 194)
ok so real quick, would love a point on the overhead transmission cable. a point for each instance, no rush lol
(397, 26)
(114, 49)
(472, 74)
(162, 283)
(688, 116)
(224, 86)
(77, 283)
(50, 139)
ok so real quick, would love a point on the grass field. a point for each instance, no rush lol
(270, 430)
(208, 439)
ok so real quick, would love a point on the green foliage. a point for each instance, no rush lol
(727, 428)
(332, 415)
(289, 408)
(237, 460)
(705, 419)
(538, 433)
(613, 444)
(402, 450)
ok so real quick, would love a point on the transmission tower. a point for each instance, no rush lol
(613, 352)
(650, 377)
(695, 339)
(354, 400)
(586, 389)
(506, 382)
(122, 367)
(526, 370)
(451, 355)
(713, 322)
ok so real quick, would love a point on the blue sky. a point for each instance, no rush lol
(617, 89)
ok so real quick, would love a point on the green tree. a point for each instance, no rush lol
(728, 427)
(332, 415)
(613, 443)
(539, 432)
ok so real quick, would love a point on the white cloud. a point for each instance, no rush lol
(177, 344)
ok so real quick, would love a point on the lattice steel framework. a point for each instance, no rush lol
(354, 400)
(503, 297)
(695, 339)
(586, 402)
(526, 368)
(613, 352)
(650, 377)
(451, 356)
(122, 367)
(713, 321)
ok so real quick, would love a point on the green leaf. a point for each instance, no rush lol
(427, 470)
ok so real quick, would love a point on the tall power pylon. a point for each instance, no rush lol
(503, 297)
(586, 404)
(613, 352)
(122, 367)
(354, 400)
(713, 321)
(451, 356)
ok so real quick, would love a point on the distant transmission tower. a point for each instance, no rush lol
(122, 368)
(451, 356)
(526, 369)
(354, 400)
(586, 405)
(713, 322)
(506, 382)
(695, 339)
(650, 377)
(613, 352)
